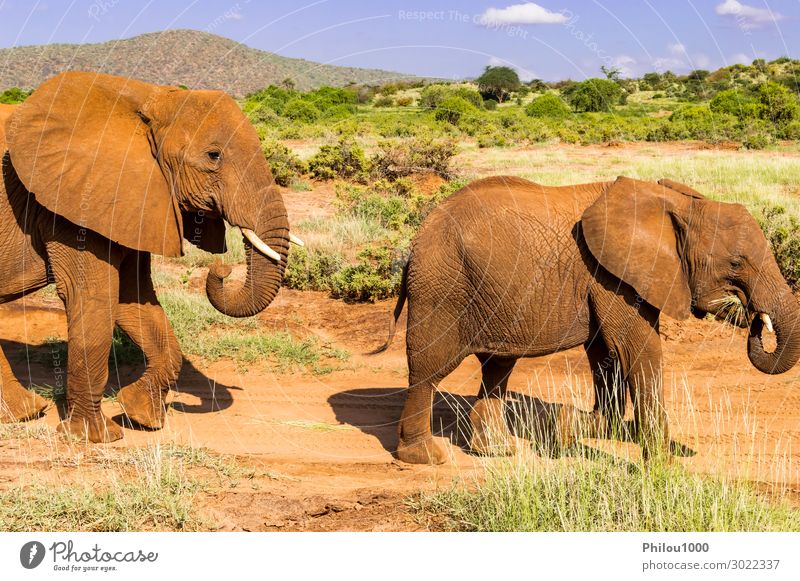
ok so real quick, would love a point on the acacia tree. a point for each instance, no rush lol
(498, 82)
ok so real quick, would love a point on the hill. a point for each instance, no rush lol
(196, 59)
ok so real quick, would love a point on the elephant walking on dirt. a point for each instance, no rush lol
(99, 172)
(506, 268)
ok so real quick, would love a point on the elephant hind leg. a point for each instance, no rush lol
(416, 444)
(17, 403)
(142, 318)
(490, 433)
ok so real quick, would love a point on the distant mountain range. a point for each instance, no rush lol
(198, 60)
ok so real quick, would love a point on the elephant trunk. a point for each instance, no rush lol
(264, 273)
(784, 314)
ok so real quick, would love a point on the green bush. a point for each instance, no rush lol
(593, 95)
(404, 101)
(432, 95)
(345, 160)
(490, 104)
(311, 269)
(285, 165)
(384, 101)
(735, 102)
(376, 276)
(342, 111)
(301, 110)
(13, 96)
(395, 159)
(547, 105)
(782, 231)
(779, 103)
(453, 109)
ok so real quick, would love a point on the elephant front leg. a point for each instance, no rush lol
(141, 317)
(90, 327)
(490, 433)
(85, 267)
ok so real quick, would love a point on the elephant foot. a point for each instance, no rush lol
(97, 429)
(420, 451)
(572, 424)
(142, 406)
(490, 434)
(19, 404)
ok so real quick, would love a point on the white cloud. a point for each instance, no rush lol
(677, 49)
(624, 64)
(528, 13)
(747, 16)
(740, 58)
(701, 61)
(668, 64)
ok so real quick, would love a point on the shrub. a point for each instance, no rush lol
(547, 105)
(301, 110)
(404, 101)
(285, 165)
(376, 276)
(342, 111)
(311, 269)
(452, 109)
(593, 95)
(432, 95)
(395, 159)
(735, 102)
(782, 231)
(384, 101)
(13, 96)
(779, 103)
(490, 104)
(344, 160)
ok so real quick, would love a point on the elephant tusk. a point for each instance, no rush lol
(295, 240)
(260, 245)
(767, 322)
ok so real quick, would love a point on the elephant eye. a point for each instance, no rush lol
(214, 155)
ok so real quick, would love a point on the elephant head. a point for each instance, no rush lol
(680, 251)
(147, 166)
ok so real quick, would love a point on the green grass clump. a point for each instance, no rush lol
(591, 496)
(157, 494)
(203, 331)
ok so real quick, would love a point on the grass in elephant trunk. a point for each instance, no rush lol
(527, 494)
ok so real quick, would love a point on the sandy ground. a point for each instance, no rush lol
(329, 438)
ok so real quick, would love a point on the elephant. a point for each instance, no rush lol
(506, 268)
(101, 171)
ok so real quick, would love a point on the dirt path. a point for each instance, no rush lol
(326, 441)
(330, 437)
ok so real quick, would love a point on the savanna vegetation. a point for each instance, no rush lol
(391, 153)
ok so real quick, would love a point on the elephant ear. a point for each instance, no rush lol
(631, 231)
(682, 188)
(204, 231)
(81, 145)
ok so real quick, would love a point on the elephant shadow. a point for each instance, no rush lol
(44, 368)
(376, 412)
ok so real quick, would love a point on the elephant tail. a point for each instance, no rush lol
(398, 309)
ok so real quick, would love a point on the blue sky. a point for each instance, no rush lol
(550, 39)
